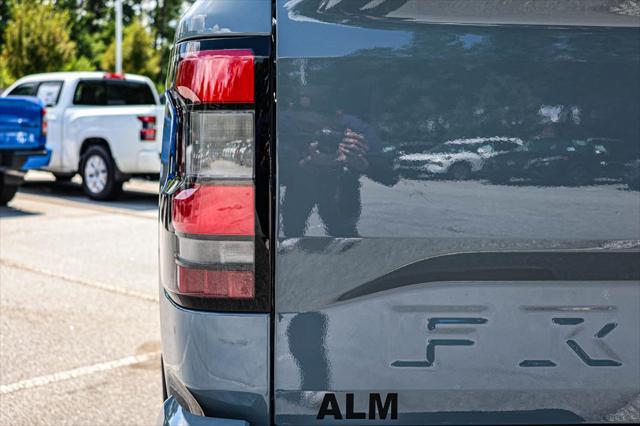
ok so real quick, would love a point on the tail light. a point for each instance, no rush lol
(148, 131)
(211, 206)
(113, 76)
(43, 121)
(216, 76)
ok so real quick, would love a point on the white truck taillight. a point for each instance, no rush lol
(148, 130)
(213, 213)
(43, 120)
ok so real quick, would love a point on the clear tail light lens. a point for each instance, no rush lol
(221, 145)
(217, 252)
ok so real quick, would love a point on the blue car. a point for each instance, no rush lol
(23, 136)
(312, 282)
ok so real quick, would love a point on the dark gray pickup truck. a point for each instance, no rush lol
(305, 278)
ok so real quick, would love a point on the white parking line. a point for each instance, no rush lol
(77, 372)
(93, 284)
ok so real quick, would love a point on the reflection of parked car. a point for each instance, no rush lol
(246, 155)
(549, 161)
(103, 126)
(631, 174)
(615, 155)
(239, 152)
(23, 133)
(229, 151)
(457, 158)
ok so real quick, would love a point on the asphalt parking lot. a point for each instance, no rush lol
(78, 307)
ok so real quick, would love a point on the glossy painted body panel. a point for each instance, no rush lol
(21, 123)
(409, 79)
(22, 140)
(222, 359)
(221, 18)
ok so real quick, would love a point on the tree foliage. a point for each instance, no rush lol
(138, 53)
(5, 9)
(90, 26)
(37, 39)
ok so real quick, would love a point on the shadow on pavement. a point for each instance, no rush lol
(8, 211)
(131, 199)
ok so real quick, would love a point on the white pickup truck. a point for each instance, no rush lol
(106, 127)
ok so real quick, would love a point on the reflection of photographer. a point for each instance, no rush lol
(323, 168)
(338, 149)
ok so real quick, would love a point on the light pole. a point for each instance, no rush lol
(119, 36)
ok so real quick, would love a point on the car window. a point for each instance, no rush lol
(90, 92)
(129, 93)
(504, 145)
(464, 147)
(486, 149)
(543, 145)
(49, 92)
(26, 89)
(448, 148)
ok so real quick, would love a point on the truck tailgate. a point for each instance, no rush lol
(430, 299)
(21, 123)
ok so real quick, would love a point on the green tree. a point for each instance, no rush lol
(138, 53)
(88, 20)
(5, 78)
(36, 39)
(164, 19)
(92, 29)
(93, 25)
(5, 15)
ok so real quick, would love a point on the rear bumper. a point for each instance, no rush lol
(37, 161)
(222, 359)
(173, 414)
(19, 159)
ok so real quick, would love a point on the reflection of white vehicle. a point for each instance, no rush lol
(458, 158)
(106, 127)
(229, 151)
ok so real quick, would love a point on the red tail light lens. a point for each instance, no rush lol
(43, 120)
(214, 210)
(147, 119)
(207, 283)
(216, 76)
